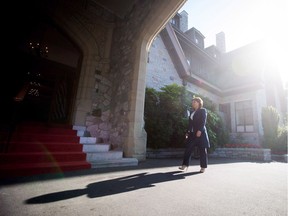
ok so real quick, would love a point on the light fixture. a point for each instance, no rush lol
(34, 84)
(38, 49)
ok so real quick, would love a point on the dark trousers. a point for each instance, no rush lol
(190, 146)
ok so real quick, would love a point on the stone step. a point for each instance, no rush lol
(114, 163)
(102, 156)
(80, 130)
(89, 140)
(101, 147)
(98, 153)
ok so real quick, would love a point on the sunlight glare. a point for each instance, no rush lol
(268, 20)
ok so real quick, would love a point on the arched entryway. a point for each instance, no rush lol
(43, 72)
(113, 56)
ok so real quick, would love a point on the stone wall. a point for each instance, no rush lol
(165, 153)
(243, 153)
(237, 153)
(123, 56)
(117, 105)
(161, 71)
(111, 74)
(160, 68)
(98, 120)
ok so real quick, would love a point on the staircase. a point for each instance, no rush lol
(99, 154)
(36, 148)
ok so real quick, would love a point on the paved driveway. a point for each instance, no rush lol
(155, 187)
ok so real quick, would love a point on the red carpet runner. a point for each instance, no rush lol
(40, 149)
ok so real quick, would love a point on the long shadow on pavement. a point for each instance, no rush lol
(113, 186)
(147, 164)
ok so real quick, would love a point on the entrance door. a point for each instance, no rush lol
(50, 94)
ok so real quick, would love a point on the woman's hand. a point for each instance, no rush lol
(198, 133)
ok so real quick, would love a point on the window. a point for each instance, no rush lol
(226, 113)
(175, 21)
(244, 116)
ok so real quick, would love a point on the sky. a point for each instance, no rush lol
(243, 22)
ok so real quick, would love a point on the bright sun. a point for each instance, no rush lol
(277, 55)
(268, 21)
(277, 42)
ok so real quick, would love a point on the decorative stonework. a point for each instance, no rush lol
(99, 126)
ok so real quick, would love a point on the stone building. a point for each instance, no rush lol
(82, 63)
(89, 58)
(239, 82)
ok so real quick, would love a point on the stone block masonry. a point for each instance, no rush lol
(237, 153)
(243, 153)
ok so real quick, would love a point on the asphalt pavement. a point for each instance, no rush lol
(153, 188)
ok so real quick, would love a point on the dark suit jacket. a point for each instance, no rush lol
(198, 124)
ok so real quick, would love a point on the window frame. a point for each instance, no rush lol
(244, 117)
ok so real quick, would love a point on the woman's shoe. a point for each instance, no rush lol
(183, 168)
(202, 170)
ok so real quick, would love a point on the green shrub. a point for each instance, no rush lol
(217, 133)
(156, 135)
(281, 142)
(166, 118)
(270, 122)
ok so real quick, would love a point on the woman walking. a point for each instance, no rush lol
(196, 135)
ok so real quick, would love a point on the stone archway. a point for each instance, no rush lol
(134, 140)
(118, 48)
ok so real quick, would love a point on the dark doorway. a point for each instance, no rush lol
(49, 88)
(42, 63)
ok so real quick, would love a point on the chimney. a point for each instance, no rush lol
(220, 42)
(184, 21)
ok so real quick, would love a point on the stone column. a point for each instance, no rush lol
(85, 88)
(135, 145)
(135, 142)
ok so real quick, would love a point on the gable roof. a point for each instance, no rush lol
(237, 71)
